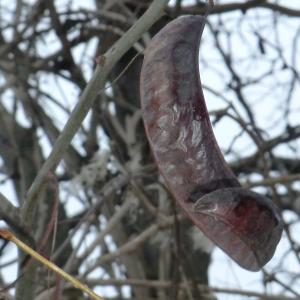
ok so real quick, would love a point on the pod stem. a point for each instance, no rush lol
(209, 7)
(75, 282)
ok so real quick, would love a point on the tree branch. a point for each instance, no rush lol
(10, 214)
(93, 88)
(160, 284)
(229, 7)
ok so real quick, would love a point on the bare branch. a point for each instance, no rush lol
(93, 88)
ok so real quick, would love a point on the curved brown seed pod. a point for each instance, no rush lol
(244, 224)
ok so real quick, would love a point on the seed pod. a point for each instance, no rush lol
(246, 225)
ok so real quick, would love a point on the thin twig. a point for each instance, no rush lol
(160, 284)
(137, 241)
(75, 282)
(273, 181)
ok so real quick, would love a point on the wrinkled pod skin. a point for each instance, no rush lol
(246, 225)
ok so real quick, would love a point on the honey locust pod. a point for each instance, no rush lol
(246, 225)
